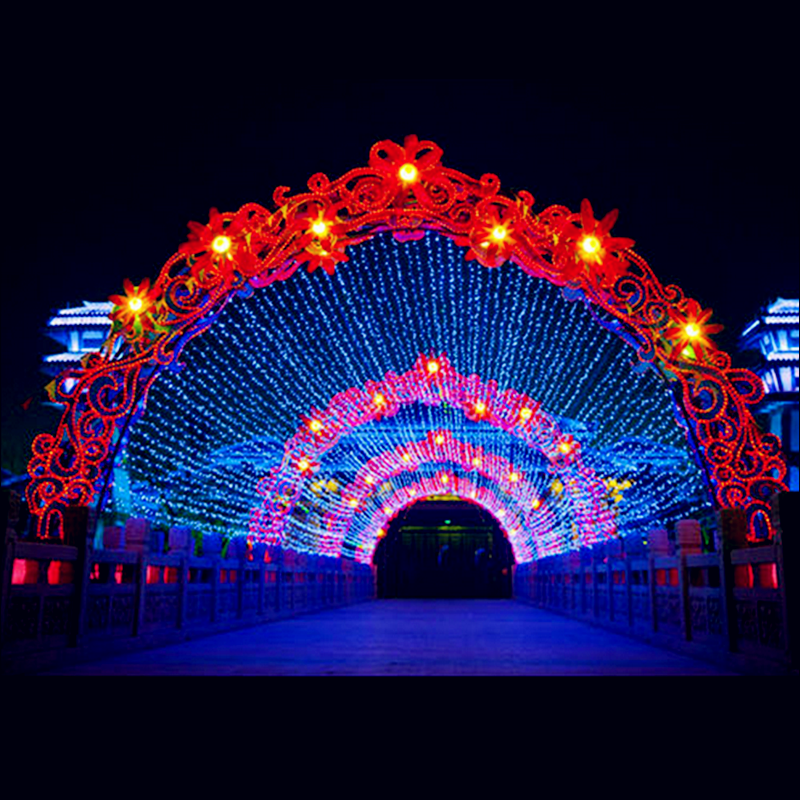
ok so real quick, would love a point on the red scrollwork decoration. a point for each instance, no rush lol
(405, 190)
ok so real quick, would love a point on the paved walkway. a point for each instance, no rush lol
(409, 637)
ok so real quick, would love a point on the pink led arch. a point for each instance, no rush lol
(440, 447)
(507, 517)
(432, 381)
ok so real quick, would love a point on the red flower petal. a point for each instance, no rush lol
(608, 222)
(587, 217)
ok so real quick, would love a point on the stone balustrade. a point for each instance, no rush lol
(731, 605)
(63, 601)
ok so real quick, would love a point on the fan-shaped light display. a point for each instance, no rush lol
(267, 372)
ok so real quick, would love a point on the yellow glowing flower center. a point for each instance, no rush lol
(379, 399)
(692, 331)
(514, 477)
(353, 503)
(565, 447)
(445, 479)
(499, 233)
(591, 245)
(480, 408)
(304, 466)
(387, 510)
(476, 462)
(221, 245)
(408, 173)
(369, 480)
(320, 228)
(433, 367)
(316, 426)
(501, 513)
(381, 533)
(440, 439)
(135, 304)
(406, 458)
(537, 504)
(526, 414)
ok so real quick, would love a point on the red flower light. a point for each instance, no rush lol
(215, 249)
(408, 168)
(592, 246)
(133, 311)
(413, 162)
(688, 333)
(323, 253)
(492, 238)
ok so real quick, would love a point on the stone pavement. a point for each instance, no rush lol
(409, 637)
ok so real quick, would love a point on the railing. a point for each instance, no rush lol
(730, 603)
(64, 601)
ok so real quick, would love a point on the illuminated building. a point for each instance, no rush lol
(773, 336)
(80, 330)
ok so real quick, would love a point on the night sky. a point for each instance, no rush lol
(106, 170)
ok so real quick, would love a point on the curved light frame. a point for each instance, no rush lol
(432, 381)
(507, 517)
(405, 190)
(439, 447)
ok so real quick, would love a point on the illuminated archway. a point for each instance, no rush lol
(440, 447)
(509, 518)
(406, 191)
(431, 381)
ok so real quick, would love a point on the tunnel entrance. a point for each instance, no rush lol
(444, 549)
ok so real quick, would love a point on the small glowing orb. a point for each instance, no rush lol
(369, 480)
(692, 331)
(353, 503)
(688, 352)
(514, 477)
(499, 234)
(406, 457)
(387, 510)
(440, 439)
(480, 408)
(433, 367)
(324, 253)
(525, 414)
(591, 245)
(221, 245)
(565, 448)
(476, 462)
(320, 228)
(379, 399)
(135, 304)
(501, 513)
(445, 479)
(413, 492)
(303, 465)
(537, 504)
(381, 533)
(316, 426)
(408, 173)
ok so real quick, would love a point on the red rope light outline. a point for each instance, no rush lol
(337, 522)
(407, 191)
(432, 381)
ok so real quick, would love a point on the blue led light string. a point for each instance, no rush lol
(210, 432)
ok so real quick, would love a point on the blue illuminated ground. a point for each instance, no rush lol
(410, 637)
